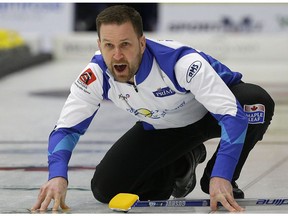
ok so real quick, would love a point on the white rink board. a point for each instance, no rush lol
(229, 46)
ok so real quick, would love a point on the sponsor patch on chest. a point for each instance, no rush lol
(163, 92)
(255, 113)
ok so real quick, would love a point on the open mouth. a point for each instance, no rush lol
(120, 67)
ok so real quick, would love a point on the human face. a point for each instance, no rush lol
(121, 49)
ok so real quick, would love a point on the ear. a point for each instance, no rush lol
(142, 43)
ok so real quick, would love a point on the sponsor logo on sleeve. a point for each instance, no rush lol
(255, 113)
(85, 79)
(193, 70)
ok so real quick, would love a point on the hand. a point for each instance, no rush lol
(221, 191)
(55, 189)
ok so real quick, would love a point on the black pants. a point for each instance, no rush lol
(146, 162)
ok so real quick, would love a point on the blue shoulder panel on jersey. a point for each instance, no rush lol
(98, 59)
(106, 86)
(228, 76)
(167, 58)
(145, 67)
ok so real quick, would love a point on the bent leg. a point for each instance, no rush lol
(253, 94)
(246, 94)
(142, 162)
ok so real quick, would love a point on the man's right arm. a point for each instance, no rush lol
(79, 109)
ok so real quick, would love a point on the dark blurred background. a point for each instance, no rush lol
(86, 13)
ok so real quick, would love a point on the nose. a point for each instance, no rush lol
(118, 54)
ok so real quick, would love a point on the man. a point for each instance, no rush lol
(182, 98)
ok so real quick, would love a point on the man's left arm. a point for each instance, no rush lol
(195, 74)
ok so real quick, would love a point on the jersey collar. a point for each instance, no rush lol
(145, 67)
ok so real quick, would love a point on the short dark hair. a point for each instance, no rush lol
(120, 14)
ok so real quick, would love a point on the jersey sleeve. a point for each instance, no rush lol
(77, 113)
(196, 75)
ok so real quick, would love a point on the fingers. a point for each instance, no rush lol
(221, 191)
(43, 200)
(36, 206)
(45, 203)
(40, 199)
(235, 205)
(54, 189)
(63, 204)
(56, 204)
(224, 203)
(213, 204)
(228, 202)
(60, 201)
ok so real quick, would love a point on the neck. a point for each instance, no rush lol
(131, 81)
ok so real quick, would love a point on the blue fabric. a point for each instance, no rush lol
(233, 133)
(61, 145)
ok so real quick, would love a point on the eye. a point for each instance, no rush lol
(125, 44)
(109, 45)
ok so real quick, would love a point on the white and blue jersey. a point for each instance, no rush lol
(175, 86)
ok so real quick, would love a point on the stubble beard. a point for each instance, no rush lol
(130, 71)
